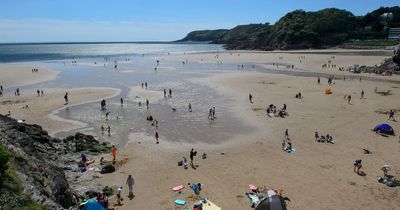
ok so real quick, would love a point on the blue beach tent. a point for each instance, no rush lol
(93, 205)
(384, 128)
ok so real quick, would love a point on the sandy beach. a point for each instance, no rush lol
(15, 74)
(305, 60)
(316, 176)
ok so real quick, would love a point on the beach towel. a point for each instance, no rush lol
(210, 206)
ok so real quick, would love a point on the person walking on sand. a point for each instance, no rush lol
(362, 94)
(165, 93)
(190, 107)
(391, 115)
(287, 134)
(357, 166)
(38, 92)
(318, 80)
(316, 136)
(142, 85)
(213, 113)
(156, 135)
(66, 98)
(147, 103)
(102, 129)
(349, 99)
(170, 93)
(130, 182)
(250, 98)
(145, 85)
(122, 101)
(41, 92)
(210, 114)
(109, 130)
(114, 152)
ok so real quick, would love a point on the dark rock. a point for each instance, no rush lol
(107, 169)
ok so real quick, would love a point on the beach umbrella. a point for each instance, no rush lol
(274, 202)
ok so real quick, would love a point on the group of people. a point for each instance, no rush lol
(35, 70)
(211, 113)
(103, 129)
(273, 111)
(325, 139)
(169, 93)
(39, 92)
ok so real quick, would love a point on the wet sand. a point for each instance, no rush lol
(12, 75)
(40, 108)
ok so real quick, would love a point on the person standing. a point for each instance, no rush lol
(145, 85)
(102, 129)
(349, 99)
(391, 115)
(362, 94)
(316, 136)
(147, 103)
(156, 135)
(165, 93)
(114, 152)
(287, 134)
(38, 92)
(250, 98)
(130, 182)
(190, 107)
(318, 80)
(66, 98)
(170, 93)
(122, 101)
(213, 113)
(192, 154)
(109, 130)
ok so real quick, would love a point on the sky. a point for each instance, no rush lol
(147, 20)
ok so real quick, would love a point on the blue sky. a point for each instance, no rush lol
(147, 20)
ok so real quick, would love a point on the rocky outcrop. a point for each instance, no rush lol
(37, 159)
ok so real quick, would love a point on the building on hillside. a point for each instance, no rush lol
(394, 33)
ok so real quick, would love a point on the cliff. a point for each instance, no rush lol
(35, 165)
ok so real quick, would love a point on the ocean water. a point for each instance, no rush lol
(61, 51)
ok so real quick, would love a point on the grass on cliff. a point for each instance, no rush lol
(11, 195)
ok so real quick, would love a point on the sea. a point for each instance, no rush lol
(23, 52)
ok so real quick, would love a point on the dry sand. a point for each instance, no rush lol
(313, 61)
(12, 75)
(316, 176)
(42, 108)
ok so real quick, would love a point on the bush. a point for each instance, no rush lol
(4, 158)
(108, 191)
